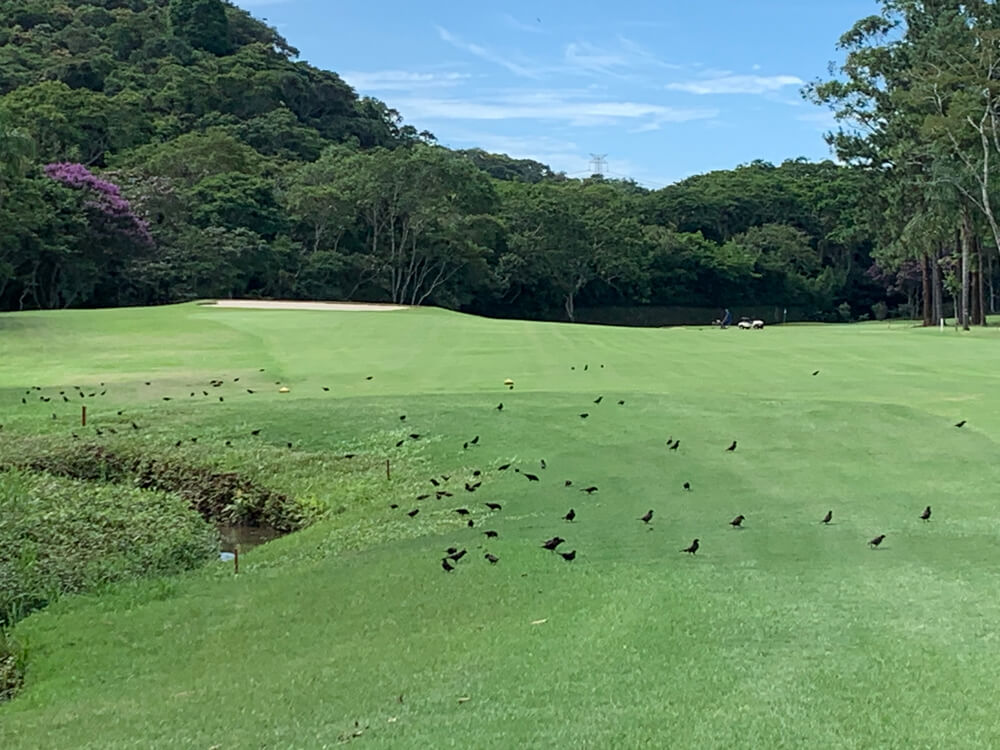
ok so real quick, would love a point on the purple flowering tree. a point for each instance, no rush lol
(110, 213)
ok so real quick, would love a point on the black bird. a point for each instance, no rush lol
(236, 380)
(471, 523)
(414, 436)
(531, 477)
(816, 373)
(394, 506)
(503, 468)
(166, 398)
(177, 444)
(961, 424)
(599, 399)
(445, 477)
(370, 377)
(148, 383)
(647, 517)
(477, 473)
(194, 440)
(621, 403)
(493, 506)
(676, 445)
(500, 406)
(589, 490)
(442, 493)
(435, 482)
(492, 558)
(568, 555)
(472, 487)
(221, 398)
(120, 412)
(876, 541)
(422, 497)
(135, 426)
(254, 432)
(448, 567)
(568, 483)
(585, 367)
(64, 399)
(465, 446)
(926, 515)
(692, 549)
(402, 417)
(462, 511)
(325, 388)
(400, 443)
(584, 415)
(413, 512)
(451, 550)
(542, 463)
(491, 534)
(737, 522)
(474, 441)
(732, 447)
(570, 516)
(687, 485)
(551, 544)
(828, 517)
(249, 390)
(228, 443)
(456, 556)
(350, 455)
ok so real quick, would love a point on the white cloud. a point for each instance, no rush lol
(564, 106)
(736, 84)
(485, 54)
(400, 80)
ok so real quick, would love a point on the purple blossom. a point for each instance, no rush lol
(105, 197)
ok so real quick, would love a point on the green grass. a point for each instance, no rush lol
(785, 634)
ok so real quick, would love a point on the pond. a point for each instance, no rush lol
(244, 537)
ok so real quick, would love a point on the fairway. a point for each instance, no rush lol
(785, 633)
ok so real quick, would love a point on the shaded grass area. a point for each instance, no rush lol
(788, 633)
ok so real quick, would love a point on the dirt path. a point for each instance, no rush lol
(279, 305)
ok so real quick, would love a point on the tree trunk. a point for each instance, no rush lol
(927, 297)
(989, 282)
(980, 288)
(570, 305)
(937, 303)
(966, 252)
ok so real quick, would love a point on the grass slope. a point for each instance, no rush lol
(784, 634)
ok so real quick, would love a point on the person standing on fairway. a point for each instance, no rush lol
(727, 318)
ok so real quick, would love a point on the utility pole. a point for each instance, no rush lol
(598, 163)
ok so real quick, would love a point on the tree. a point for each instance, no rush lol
(202, 24)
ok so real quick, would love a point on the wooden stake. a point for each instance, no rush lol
(83, 416)
(387, 474)
(236, 560)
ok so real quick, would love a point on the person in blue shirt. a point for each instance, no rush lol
(727, 318)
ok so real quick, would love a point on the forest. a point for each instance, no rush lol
(155, 151)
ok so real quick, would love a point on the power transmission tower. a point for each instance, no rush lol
(598, 163)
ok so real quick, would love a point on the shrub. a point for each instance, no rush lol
(60, 536)
(844, 311)
(880, 310)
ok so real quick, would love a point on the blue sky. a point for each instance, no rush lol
(666, 89)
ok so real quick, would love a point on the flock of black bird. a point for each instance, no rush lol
(453, 554)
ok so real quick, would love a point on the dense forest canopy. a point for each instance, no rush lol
(163, 150)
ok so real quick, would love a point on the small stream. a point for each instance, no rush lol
(244, 537)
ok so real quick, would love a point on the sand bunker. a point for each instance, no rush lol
(279, 305)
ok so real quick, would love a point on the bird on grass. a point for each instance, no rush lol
(435, 482)
(254, 432)
(370, 377)
(530, 477)
(493, 559)
(570, 516)
(551, 544)
(477, 473)
(584, 415)
(589, 490)
(738, 521)
(732, 447)
(687, 486)
(325, 388)
(599, 399)
(568, 556)
(568, 483)
(873, 543)
(815, 373)
(621, 403)
(493, 506)
(451, 550)
(414, 436)
(400, 443)
(474, 441)
(394, 506)
(422, 497)
(542, 463)
(413, 513)
(471, 523)
(491, 534)
(472, 487)
(500, 406)
(647, 517)
(462, 511)
(961, 424)
(503, 468)
(828, 517)
(926, 515)
(456, 556)
(676, 445)
(448, 567)
(693, 548)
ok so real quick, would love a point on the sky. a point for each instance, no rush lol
(664, 90)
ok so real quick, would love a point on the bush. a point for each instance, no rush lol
(61, 536)
(844, 311)
(880, 310)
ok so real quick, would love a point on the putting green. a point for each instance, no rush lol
(786, 633)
